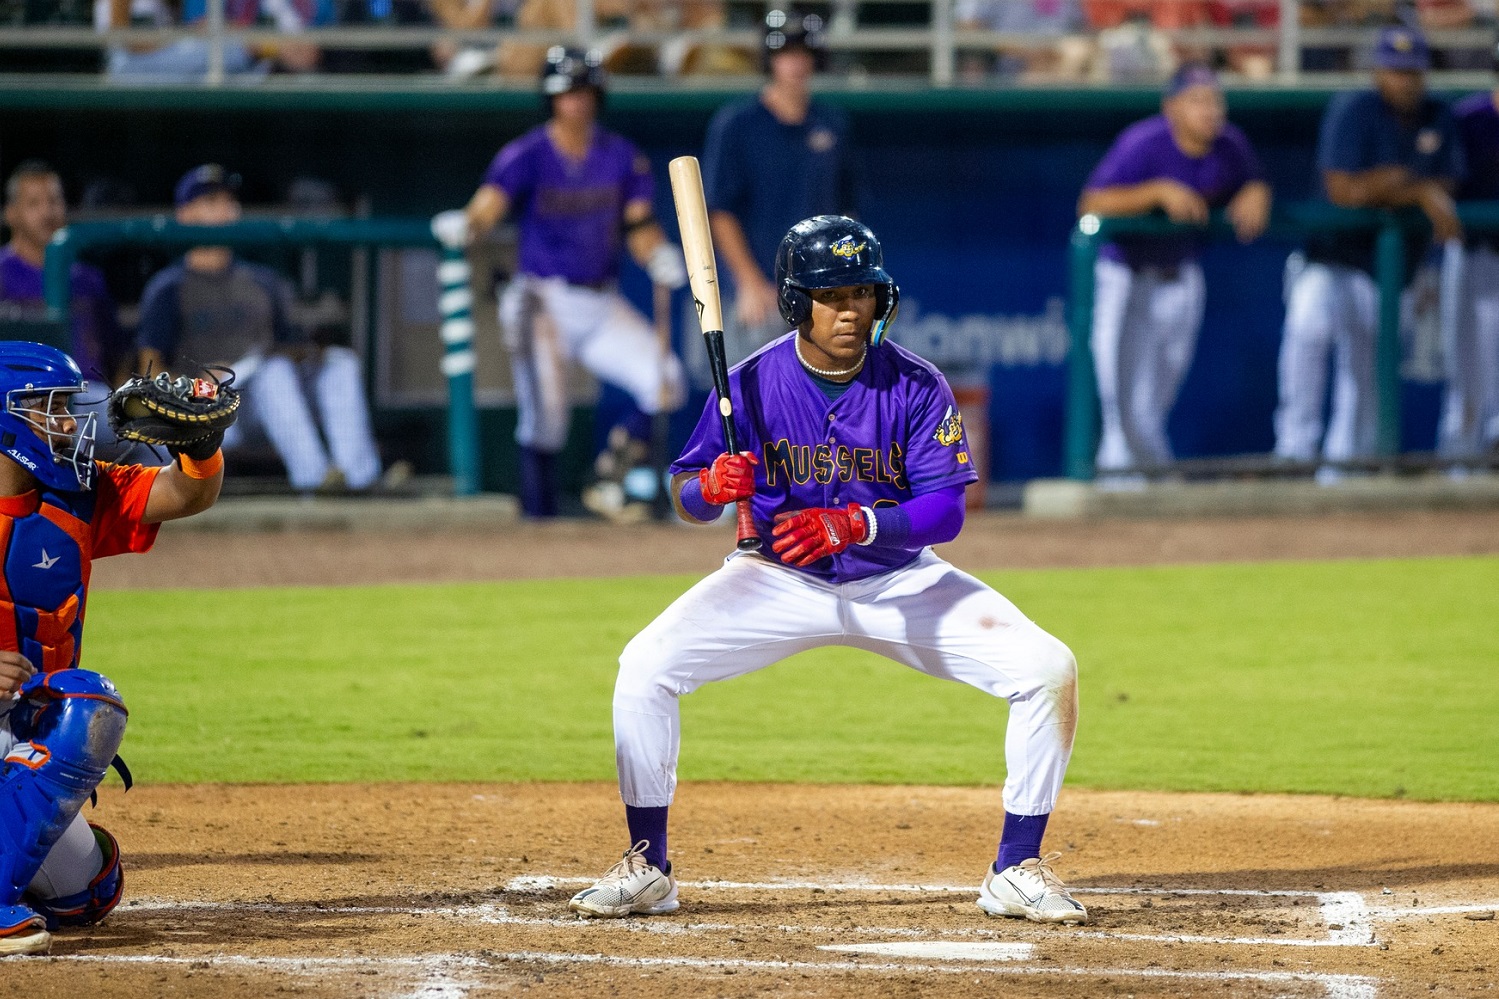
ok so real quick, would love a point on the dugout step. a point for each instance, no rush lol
(1067, 498)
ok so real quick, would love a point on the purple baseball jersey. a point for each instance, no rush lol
(97, 340)
(570, 211)
(1146, 151)
(894, 434)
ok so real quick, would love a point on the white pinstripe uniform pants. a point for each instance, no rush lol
(1469, 425)
(277, 390)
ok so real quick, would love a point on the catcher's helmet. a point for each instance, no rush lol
(31, 376)
(787, 29)
(571, 69)
(831, 251)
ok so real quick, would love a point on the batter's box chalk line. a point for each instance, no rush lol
(1343, 912)
(452, 976)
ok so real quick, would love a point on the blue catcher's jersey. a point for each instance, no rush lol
(49, 540)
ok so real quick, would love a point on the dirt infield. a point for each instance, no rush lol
(459, 891)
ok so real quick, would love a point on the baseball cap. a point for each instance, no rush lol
(1189, 75)
(1402, 48)
(203, 180)
(788, 29)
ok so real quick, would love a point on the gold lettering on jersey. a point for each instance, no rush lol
(803, 463)
(950, 430)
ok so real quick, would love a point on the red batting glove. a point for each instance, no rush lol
(731, 477)
(805, 536)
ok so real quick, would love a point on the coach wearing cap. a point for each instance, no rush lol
(1392, 146)
(771, 160)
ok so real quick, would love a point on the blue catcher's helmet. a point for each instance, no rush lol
(32, 377)
(832, 251)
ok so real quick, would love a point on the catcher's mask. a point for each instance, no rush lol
(33, 434)
(832, 251)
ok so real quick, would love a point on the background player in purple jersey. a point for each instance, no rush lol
(856, 465)
(582, 195)
(1149, 291)
(1469, 428)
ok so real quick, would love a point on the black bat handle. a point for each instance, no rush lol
(749, 538)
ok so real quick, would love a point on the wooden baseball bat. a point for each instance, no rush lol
(702, 274)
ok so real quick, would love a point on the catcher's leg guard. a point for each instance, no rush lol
(92, 904)
(68, 726)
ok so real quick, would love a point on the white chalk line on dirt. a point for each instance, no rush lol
(442, 967)
(1344, 912)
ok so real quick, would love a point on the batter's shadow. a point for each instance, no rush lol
(1350, 877)
(278, 858)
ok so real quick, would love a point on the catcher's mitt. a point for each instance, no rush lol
(174, 411)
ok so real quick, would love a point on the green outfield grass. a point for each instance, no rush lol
(1361, 678)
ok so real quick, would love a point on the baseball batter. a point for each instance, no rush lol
(60, 725)
(1389, 147)
(856, 467)
(1149, 291)
(582, 194)
(1469, 427)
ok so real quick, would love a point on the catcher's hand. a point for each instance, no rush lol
(730, 478)
(187, 415)
(804, 536)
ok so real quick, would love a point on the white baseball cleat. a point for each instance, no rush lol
(631, 887)
(24, 933)
(1032, 890)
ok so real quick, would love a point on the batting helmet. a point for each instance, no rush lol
(571, 69)
(831, 251)
(786, 29)
(31, 376)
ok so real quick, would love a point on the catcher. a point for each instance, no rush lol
(60, 726)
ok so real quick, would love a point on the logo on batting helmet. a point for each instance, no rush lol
(571, 69)
(831, 251)
(32, 376)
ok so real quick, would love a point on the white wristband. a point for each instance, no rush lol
(874, 527)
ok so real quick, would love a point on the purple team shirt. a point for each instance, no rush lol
(96, 339)
(893, 435)
(570, 211)
(1478, 124)
(1146, 151)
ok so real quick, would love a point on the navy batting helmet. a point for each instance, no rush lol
(832, 251)
(571, 69)
(786, 29)
(31, 375)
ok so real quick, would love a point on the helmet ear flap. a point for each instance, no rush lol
(795, 304)
(886, 306)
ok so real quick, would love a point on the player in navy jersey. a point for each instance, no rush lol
(582, 196)
(1469, 428)
(855, 465)
(1149, 290)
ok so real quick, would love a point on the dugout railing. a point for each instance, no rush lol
(458, 360)
(1291, 222)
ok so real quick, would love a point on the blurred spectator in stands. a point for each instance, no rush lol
(213, 309)
(1059, 54)
(187, 59)
(771, 160)
(1148, 290)
(34, 212)
(385, 13)
(1391, 146)
(1469, 427)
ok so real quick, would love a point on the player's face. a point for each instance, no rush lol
(1198, 113)
(212, 208)
(839, 330)
(37, 211)
(792, 67)
(1402, 89)
(51, 418)
(581, 105)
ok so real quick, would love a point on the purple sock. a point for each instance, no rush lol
(649, 824)
(1021, 839)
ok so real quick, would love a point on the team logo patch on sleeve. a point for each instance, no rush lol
(950, 430)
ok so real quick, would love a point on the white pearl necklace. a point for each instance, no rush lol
(824, 373)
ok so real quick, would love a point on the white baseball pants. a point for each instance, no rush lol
(547, 322)
(1145, 326)
(928, 615)
(1330, 310)
(1469, 426)
(277, 390)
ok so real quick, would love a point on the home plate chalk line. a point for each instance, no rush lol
(451, 976)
